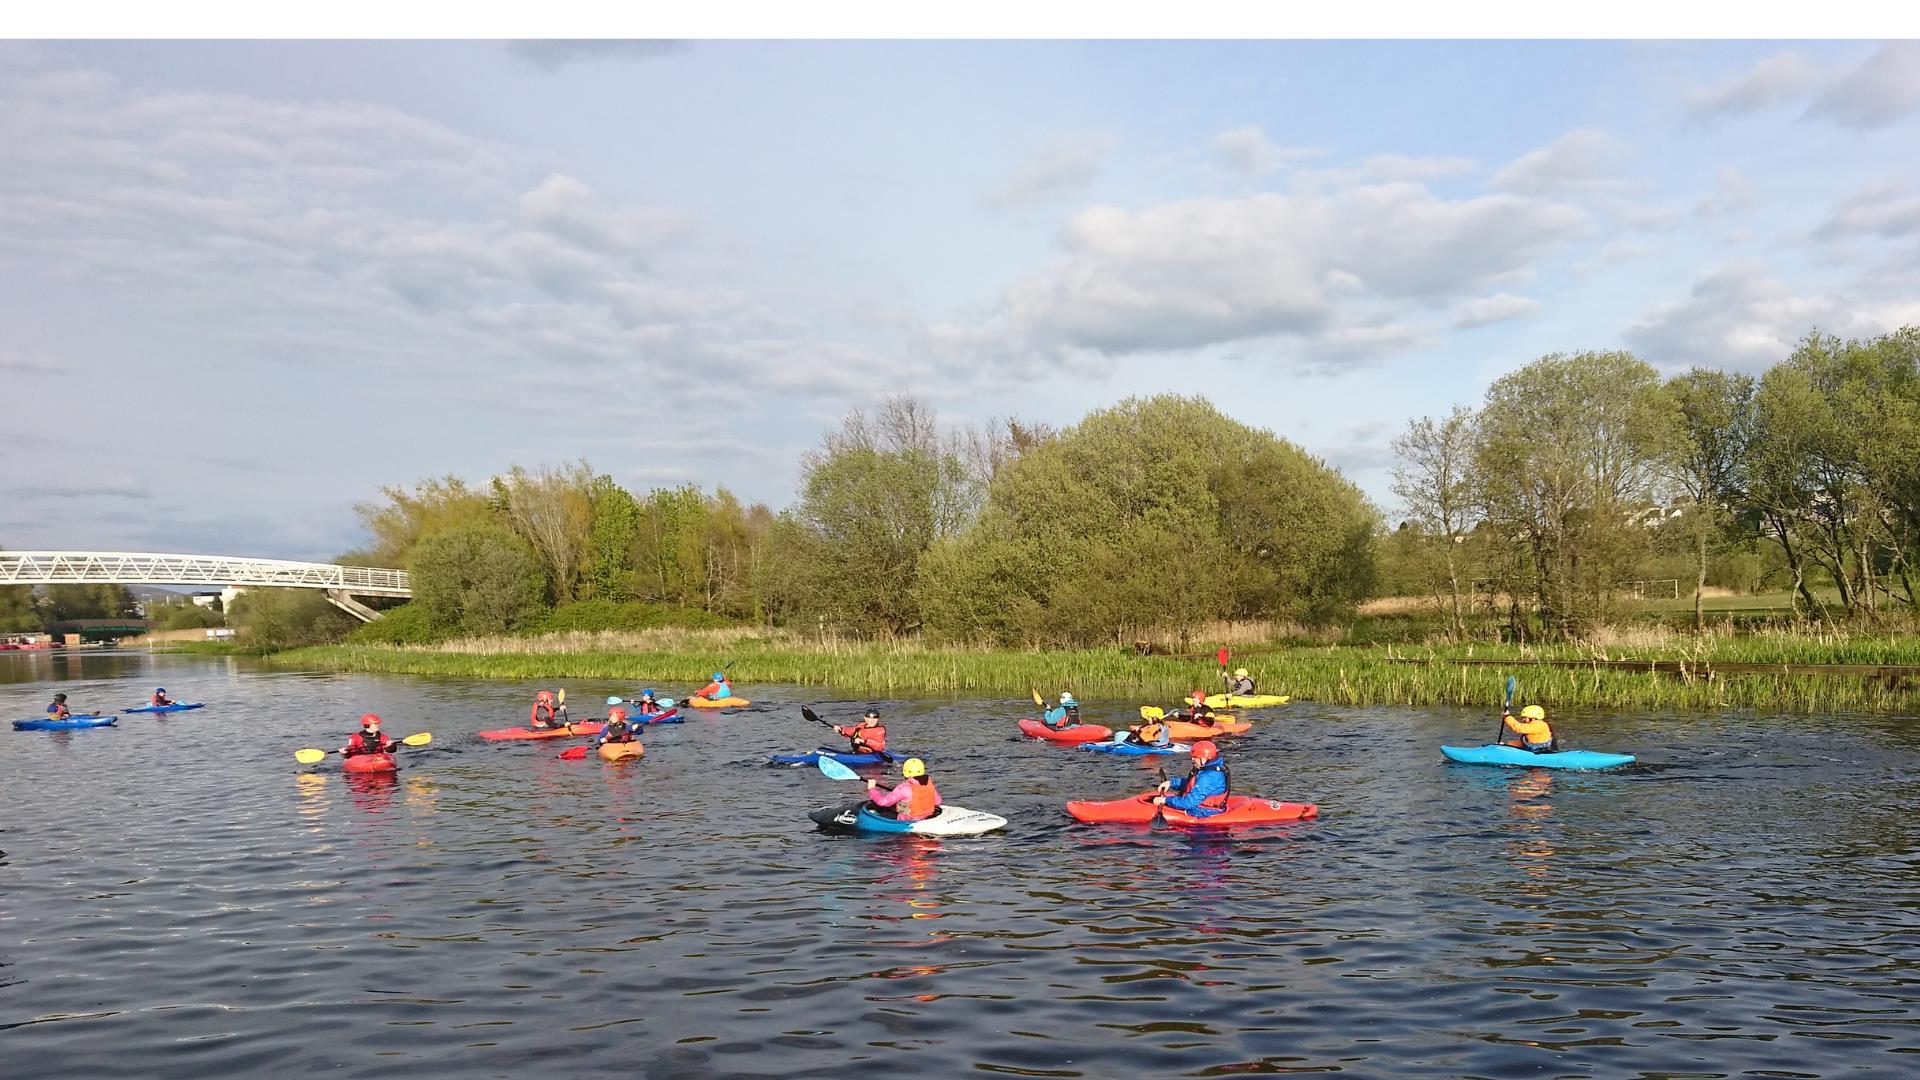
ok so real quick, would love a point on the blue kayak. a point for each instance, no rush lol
(1135, 749)
(70, 723)
(666, 716)
(1494, 754)
(842, 757)
(175, 707)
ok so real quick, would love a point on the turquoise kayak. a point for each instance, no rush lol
(1494, 754)
(1118, 746)
(175, 707)
(69, 724)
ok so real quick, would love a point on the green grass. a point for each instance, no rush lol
(1335, 673)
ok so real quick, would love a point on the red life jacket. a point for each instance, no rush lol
(923, 802)
(874, 738)
(542, 714)
(364, 742)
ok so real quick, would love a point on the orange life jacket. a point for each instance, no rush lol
(923, 802)
(1536, 733)
(875, 737)
(542, 714)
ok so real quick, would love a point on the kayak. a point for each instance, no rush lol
(1186, 729)
(69, 724)
(948, 820)
(1246, 701)
(841, 756)
(1077, 733)
(585, 727)
(367, 763)
(664, 716)
(1119, 746)
(1241, 810)
(1495, 754)
(175, 707)
(621, 751)
(717, 703)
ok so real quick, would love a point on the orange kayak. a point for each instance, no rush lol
(1187, 730)
(621, 751)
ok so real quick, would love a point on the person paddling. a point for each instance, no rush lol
(1204, 791)
(648, 705)
(1150, 733)
(1237, 683)
(619, 729)
(1531, 732)
(369, 740)
(717, 689)
(1197, 710)
(58, 709)
(546, 713)
(159, 697)
(1064, 715)
(913, 799)
(869, 736)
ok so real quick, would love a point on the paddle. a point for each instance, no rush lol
(811, 715)
(311, 756)
(836, 771)
(1150, 712)
(1500, 731)
(1038, 701)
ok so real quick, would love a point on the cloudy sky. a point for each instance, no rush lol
(244, 285)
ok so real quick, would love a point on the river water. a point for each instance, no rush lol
(179, 899)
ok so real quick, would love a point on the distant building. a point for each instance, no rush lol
(206, 599)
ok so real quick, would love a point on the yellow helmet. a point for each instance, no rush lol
(1240, 674)
(1533, 712)
(913, 767)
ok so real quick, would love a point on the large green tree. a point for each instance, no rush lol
(476, 578)
(1704, 435)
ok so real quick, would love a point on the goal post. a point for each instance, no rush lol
(1655, 589)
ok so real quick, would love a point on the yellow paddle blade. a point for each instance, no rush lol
(1148, 712)
(563, 695)
(421, 739)
(308, 757)
(1037, 699)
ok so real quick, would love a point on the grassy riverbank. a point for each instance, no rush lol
(1333, 673)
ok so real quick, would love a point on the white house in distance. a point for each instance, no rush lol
(225, 596)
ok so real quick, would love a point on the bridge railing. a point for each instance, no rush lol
(154, 568)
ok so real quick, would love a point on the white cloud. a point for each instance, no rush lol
(1070, 165)
(1875, 92)
(1740, 316)
(1888, 209)
(1248, 151)
(1732, 194)
(1492, 309)
(567, 208)
(1580, 161)
(1769, 82)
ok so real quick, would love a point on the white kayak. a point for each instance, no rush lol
(949, 820)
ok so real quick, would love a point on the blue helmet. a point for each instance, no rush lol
(159, 689)
(647, 694)
(719, 675)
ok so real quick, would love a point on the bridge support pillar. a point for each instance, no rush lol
(344, 600)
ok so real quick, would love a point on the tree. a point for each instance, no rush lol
(552, 510)
(407, 516)
(616, 523)
(1434, 481)
(267, 618)
(1563, 466)
(475, 578)
(65, 602)
(1704, 436)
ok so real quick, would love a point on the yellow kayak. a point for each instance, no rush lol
(1246, 701)
(621, 751)
(719, 703)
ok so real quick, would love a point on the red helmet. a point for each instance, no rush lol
(616, 713)
(544, 695)
(1204, 751)
(369, 720)
(1200, 696)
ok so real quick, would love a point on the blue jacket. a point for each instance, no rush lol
(1205, 782)
(1055, 717)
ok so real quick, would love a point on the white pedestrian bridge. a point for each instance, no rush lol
(340, 583)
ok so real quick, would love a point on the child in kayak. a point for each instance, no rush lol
(1197, 710)
(869, 736)
(913, 799)
(1238, 682)
(618, 729)
(647, 705)
(1151, 733)
(160, 697)
(1204, 792)
(368, 739)
(717, 689)
(1064, 715)
(58, 709)
(1531, 732)
(545, 713)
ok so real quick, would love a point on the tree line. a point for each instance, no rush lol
(1155, 515)
(1576, 469)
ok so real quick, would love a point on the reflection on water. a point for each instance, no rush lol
(1743, 905)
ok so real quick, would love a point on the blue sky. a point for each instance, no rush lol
(243, 285)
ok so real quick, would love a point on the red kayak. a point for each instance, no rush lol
(588, 727)
(1241, 810)
(1078, 733)
(367, 763)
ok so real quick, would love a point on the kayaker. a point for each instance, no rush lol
(1204, 792)
(913, 799)
(869, 736)
(717, 689)
(1064, 715)
(58, 709)
(545, 713)
(618, 729)
(1531, 732)
(160, 697)
(1151, 733)
(368, 739)
(1237, 683)
(1197, 711)
(647, 705)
